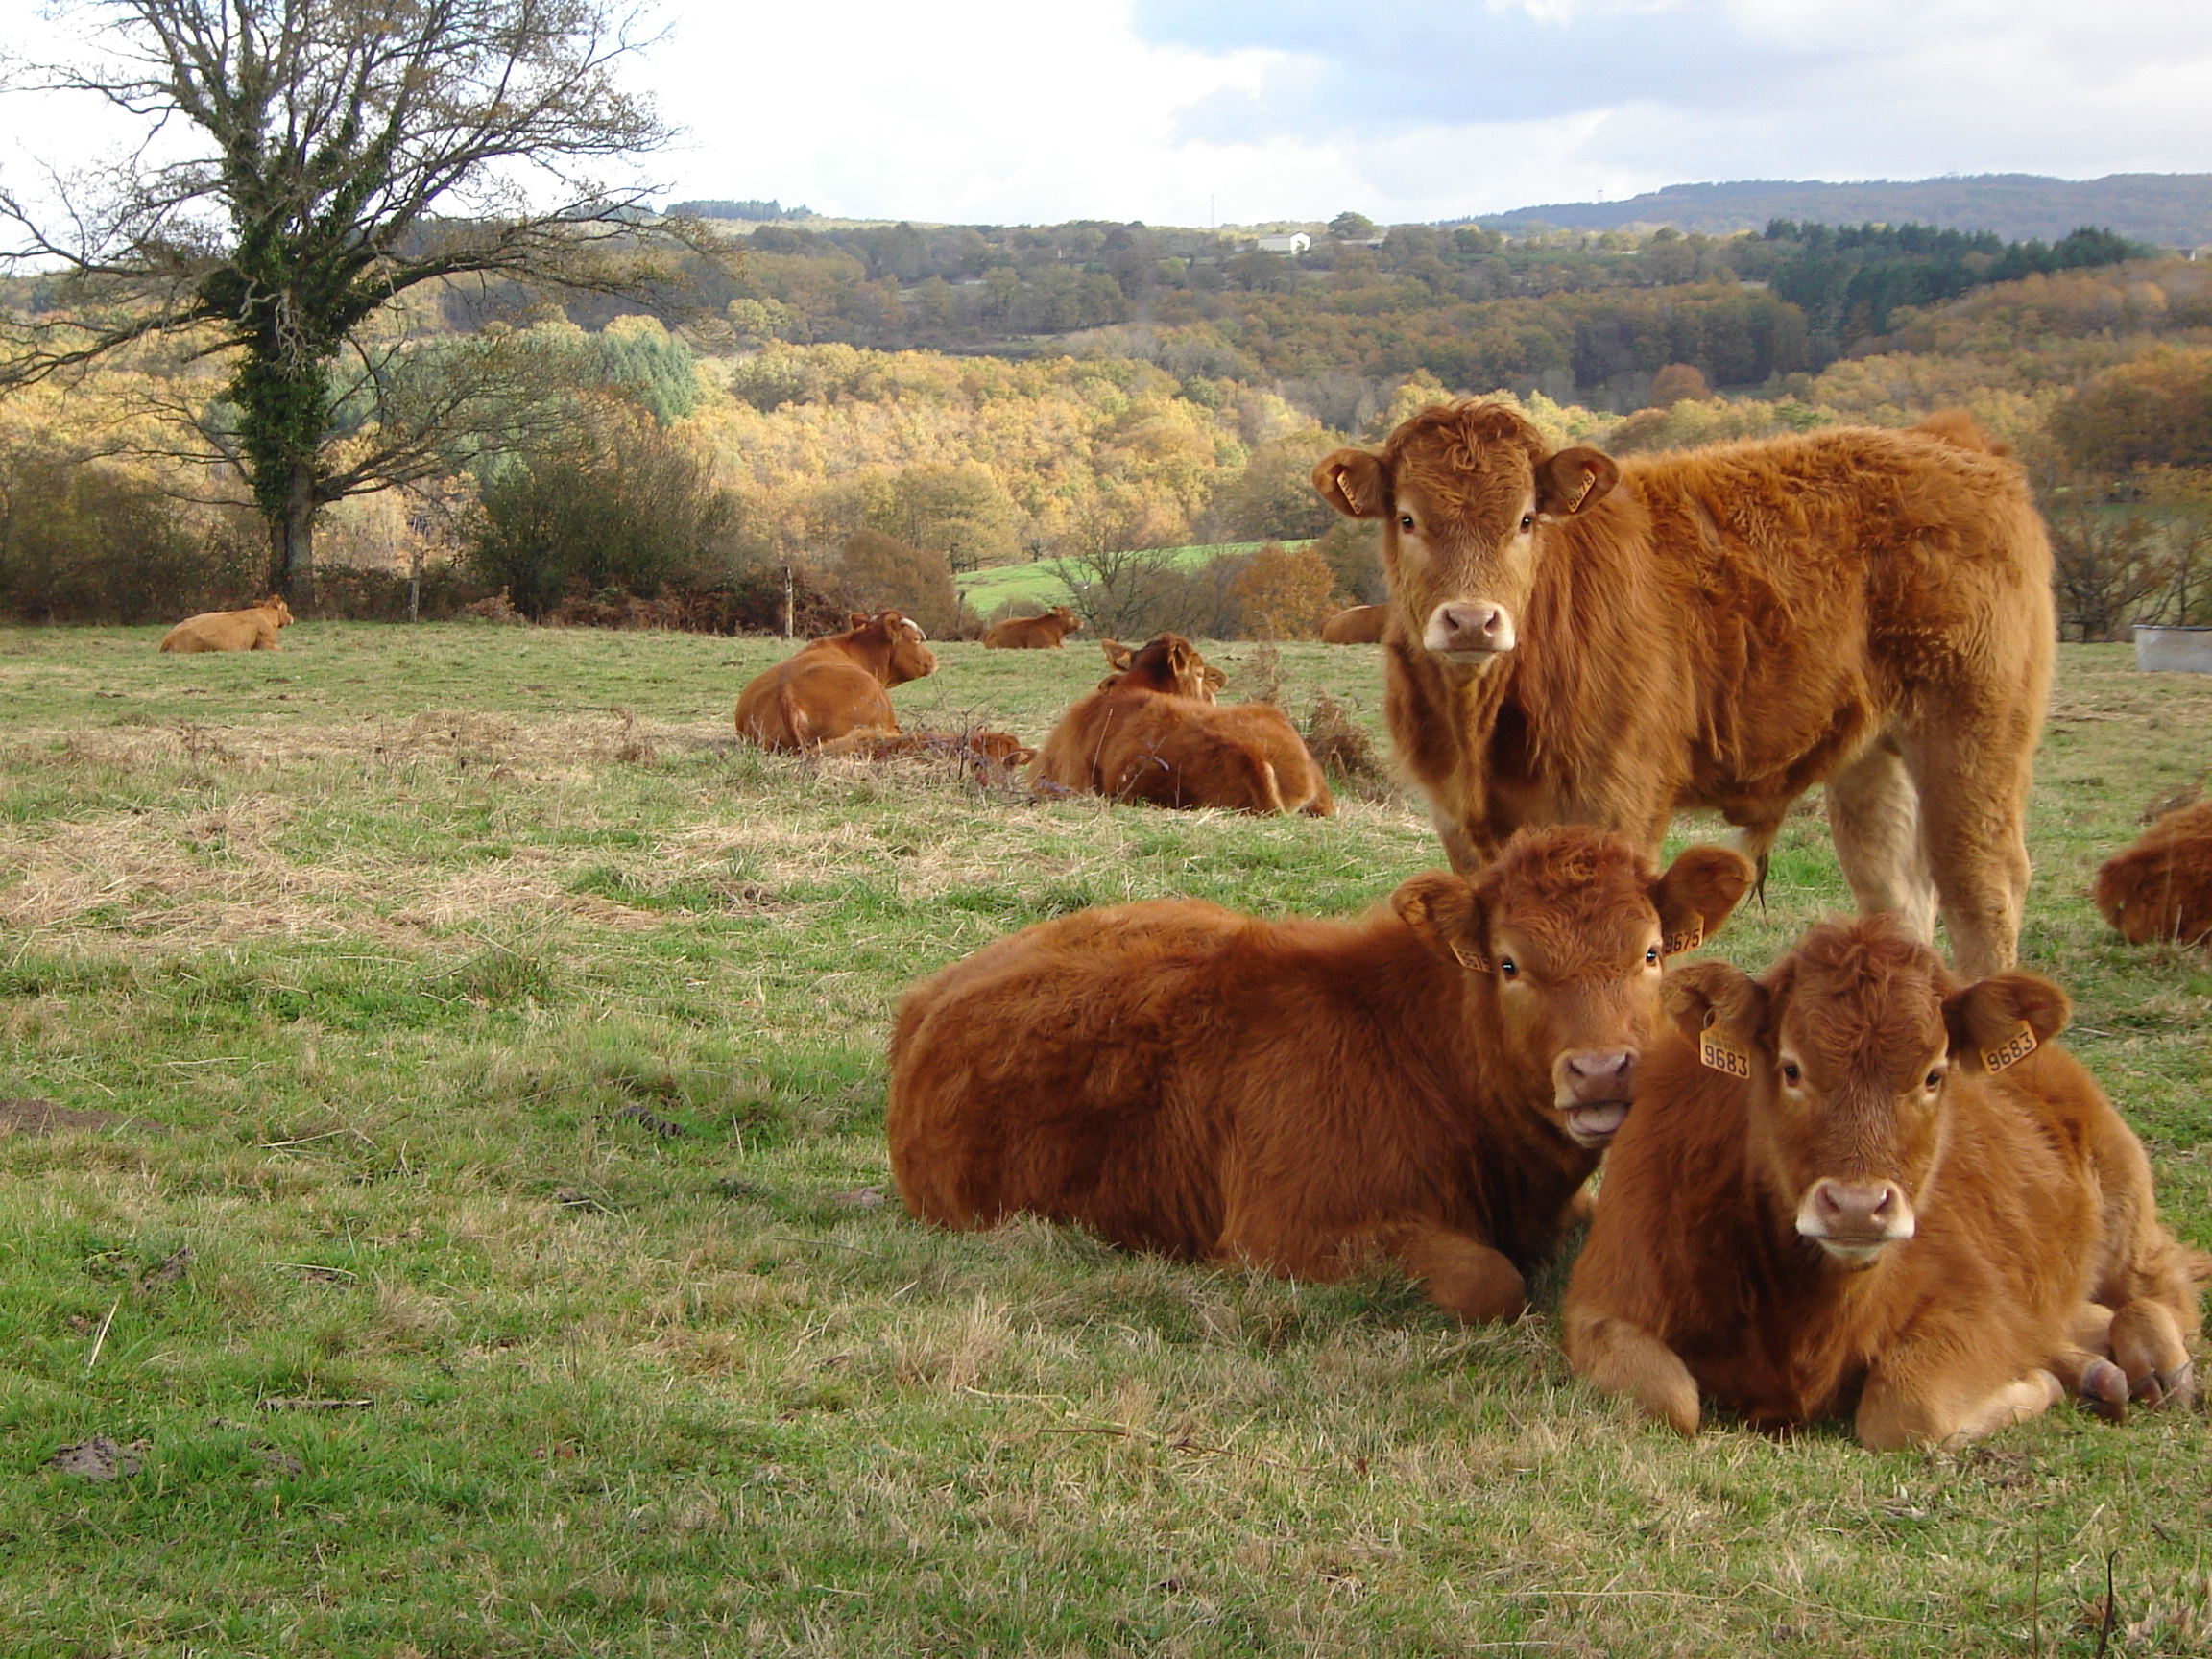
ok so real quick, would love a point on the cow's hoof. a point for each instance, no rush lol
(2103, 1390)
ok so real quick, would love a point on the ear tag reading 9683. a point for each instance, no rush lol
(1471, 956)
(2013, 1050)
(1718, 1049)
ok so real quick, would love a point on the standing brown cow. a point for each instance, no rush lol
(1046, 632)
(1856, 1186)
(1434, 1081)
(1576, 640)
(2161, 887)
(835, 685)
(1153, 733)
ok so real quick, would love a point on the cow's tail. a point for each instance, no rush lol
(795, 719)
(1266, 787)
(1959, 429)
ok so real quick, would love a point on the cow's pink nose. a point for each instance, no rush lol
(1857, 1209)
(1473, 625)
(1598, 1073)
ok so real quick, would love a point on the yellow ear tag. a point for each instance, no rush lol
(2013, 1050)
(1718, 1049)
(1470, 957)
(1589, 482)
(1344, 490)
(1673, 944)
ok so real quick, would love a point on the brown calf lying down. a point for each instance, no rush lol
(253, 629)
(1361, 625)
(993, 756)
(1152, 732)
(2161, 887)
(1434, 1081)
(1854, 1185)
(835, 685)
(1044, 632)
(1582, 640)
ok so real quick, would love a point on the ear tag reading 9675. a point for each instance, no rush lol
(1471, 956)
(1718, 1049)
(2015, 1049)
(1675, 944)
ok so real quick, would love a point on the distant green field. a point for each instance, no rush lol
(1046, 582)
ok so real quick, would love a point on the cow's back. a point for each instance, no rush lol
(1178, 752)
(810, 698)
(1048, 1073)
(223, 631)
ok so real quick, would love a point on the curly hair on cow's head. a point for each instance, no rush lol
(1463, 428)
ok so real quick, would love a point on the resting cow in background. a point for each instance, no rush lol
(253, 629)
(2161, 887)
(1361, 625)
(1855, 1185)
(1576, 640)
(1153, 733)
(835, 685)
(1046, 632)
(1434, 1081)
(989, 756)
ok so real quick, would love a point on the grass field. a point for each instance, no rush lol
(481, 1246)
(1046, 582)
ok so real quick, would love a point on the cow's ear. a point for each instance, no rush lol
(1574, 480)
(1710, 993)
(2004, 1018)
(1699, 890)
(1354, 483)
(1117, 654)
(855, 619)
(1448, 916)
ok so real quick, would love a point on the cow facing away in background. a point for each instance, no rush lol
(1854, 1184)
(2161, 887)
(1046, 632)
(253, 629)
(835, 685)
(1152, 731)
(1433, 1082)
(1359, 625)
(1581, 640)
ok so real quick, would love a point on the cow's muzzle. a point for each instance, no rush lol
(1468, 630)
(1854, 1221)
(1590, 1089)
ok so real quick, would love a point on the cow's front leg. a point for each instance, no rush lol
(1906, 1404)
(1460, 1273)
(1619, 1357)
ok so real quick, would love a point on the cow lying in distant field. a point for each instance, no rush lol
(1854, 1185)
(2161, 887)
(1044, 632)
(1434, 1081)
(1581, 640)
(253, 629)
(991, 756)
(1361, 625)
(836, 686)
(1153, 733)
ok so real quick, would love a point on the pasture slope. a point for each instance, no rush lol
(504, 1046)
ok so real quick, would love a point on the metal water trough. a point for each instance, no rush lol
(2174, 650)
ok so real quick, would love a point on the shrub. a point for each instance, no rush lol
(627, 509)
(81, 542)
(880, 573)
(1287, 595)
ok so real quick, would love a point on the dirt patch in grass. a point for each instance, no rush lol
(44, 1117)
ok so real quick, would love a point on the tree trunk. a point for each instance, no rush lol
(292, 540)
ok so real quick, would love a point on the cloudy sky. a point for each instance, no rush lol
(1178, 111)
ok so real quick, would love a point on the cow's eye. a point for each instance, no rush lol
(1651, 957)
(1404, 520)
(1789, 1073)
(1934, 1079)
(1508, 967)
(1527, 522)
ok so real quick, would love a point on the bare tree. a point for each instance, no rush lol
(306, 163)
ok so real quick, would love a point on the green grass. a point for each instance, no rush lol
(407, 949)
(1046, 582)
